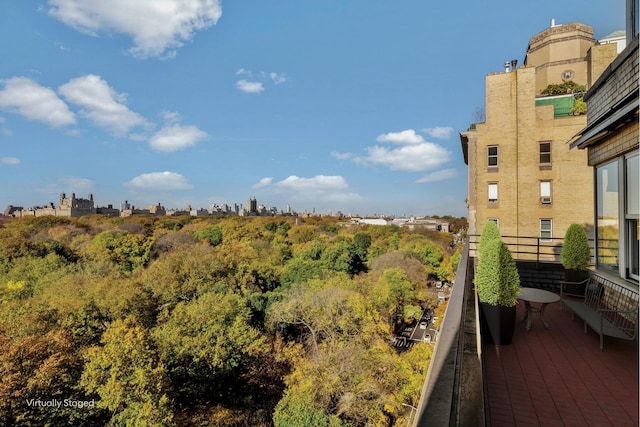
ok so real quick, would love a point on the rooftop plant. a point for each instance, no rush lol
(564, 88)
(575, 249)
(497, 279)
(490, 232)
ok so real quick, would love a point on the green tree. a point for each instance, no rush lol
(212, 234)
(326, 310)
(129, 251)
(297, 410)
(208, 336)
(412, 313)
(393, 291)
(362, 240)
(394, 243)
(128, 377)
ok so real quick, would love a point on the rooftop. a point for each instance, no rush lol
(560, 377)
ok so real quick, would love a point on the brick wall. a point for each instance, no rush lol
(542, 276)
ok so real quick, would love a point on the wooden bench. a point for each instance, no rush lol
(607, 307)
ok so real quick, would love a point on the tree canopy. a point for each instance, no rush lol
(212, 321)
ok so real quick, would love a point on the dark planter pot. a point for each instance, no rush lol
(497, 323)
(575, 276)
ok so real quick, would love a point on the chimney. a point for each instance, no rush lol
(507, 64)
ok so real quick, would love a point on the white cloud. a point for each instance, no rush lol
(441, 175)
(77, 184)
(410, 158)
(10, 161)
(438, 132)
(341, 156)
(170, 117)
(254, 82)
(157, 28)
(101, 104)
(404, 137)
(249, 87)
(263, 182)
(277, 78)
(414, 154)
(176, 137)
(27, 98)
(159, 181)
(320, 188)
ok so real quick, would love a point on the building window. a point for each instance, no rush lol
(545, 192)
(546, 230)
(493, 192)
(494, 220)
(607, 215)
(545, 153)
(631, 215)
(492, 156)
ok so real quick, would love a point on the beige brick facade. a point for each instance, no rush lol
(560, 49)
(517, 127)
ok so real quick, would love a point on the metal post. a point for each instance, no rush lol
(411, 413)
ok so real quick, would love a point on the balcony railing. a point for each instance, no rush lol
(548, 250)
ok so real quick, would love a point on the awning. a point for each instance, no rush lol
(623, 111)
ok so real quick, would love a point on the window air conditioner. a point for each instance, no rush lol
(545, 200)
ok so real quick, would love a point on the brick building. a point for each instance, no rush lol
(521, 172)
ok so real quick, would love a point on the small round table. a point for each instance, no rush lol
(539, 296)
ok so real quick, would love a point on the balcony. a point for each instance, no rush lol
(562, 104)
(545, 377)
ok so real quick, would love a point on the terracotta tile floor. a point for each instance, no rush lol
(559, 377)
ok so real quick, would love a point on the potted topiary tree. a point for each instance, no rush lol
(490, 231)
(498, 285)
(576, 256)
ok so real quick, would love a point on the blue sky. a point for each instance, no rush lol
(328, 105)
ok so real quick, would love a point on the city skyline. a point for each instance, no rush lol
(252, 205)
(353, 107)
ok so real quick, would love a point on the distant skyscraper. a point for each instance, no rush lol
(252, 206)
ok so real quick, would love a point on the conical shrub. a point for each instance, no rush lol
(497, 279)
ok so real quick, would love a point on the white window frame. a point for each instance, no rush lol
(545, 191)
(491, 156)
(626, 250)
(540, 152)
(550, 230)
(490, 193)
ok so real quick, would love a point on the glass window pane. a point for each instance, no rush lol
(545, 229)
(492, 156)
(545, 188)
(493, 192)
(633, 256)
(633, 186)
(607, 215)
(545, 153)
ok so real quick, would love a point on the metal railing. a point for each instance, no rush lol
(548, 250)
